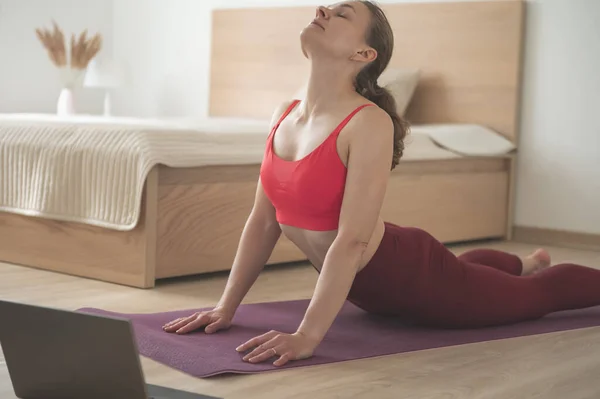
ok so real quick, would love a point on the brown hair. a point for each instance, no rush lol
(381, 37)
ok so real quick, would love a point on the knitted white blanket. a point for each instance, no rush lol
(92, 170)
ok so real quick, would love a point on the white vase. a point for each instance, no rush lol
(65, 104)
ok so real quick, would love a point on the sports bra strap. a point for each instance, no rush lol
(339, 128)
(285, 114)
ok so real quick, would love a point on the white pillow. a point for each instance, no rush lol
(402, 84)
(467, 139)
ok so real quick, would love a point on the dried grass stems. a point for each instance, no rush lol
(82, 51)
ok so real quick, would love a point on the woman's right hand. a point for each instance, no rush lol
(212, 321)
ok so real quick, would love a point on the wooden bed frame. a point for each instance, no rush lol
(470, 58)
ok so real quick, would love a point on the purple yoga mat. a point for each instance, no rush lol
(354, 335)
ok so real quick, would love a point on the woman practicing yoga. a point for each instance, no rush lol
(322, 184)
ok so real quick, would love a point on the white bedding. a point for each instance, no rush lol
(92, 169)
(466, 139)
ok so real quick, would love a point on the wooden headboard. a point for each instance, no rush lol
(469, 54)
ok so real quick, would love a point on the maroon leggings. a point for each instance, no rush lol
(414, 276)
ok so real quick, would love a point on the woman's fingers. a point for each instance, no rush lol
(284, 347)
(257, 351)
(176, 324)
(256, 341)
(262, 355)
(194, 324)
(215, 326)
(212, 322)
(172, 322)
(283, 359)
(260, 348)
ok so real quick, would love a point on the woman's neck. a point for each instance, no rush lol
(327, 85)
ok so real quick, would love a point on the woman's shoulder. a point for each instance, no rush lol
(371, 117)
(281, 109)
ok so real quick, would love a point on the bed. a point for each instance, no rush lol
(187, 217)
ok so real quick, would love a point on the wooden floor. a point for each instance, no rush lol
(552, 366)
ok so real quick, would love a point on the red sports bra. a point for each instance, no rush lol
(306, 193)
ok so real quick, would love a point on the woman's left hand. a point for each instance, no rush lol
(285, 346)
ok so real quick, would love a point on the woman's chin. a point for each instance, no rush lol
(311, 43)
(307, 34)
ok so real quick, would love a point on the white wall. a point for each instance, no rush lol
(171, 53)
(165, 46)
(169, 46)
(28, 80)
(559, 169)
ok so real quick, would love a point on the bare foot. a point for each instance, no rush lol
(536, 262)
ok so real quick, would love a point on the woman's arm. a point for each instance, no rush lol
(369, 161)
(257, 242)
(261, 233)
(258, 239)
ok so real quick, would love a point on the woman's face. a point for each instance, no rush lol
(338, 31)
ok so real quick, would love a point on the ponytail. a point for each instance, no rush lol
(381, 37)
(368, 88)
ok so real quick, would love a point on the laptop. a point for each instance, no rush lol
(53, 354)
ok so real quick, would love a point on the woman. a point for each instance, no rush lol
(322, 184)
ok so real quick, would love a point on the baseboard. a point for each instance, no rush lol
(558, 238)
